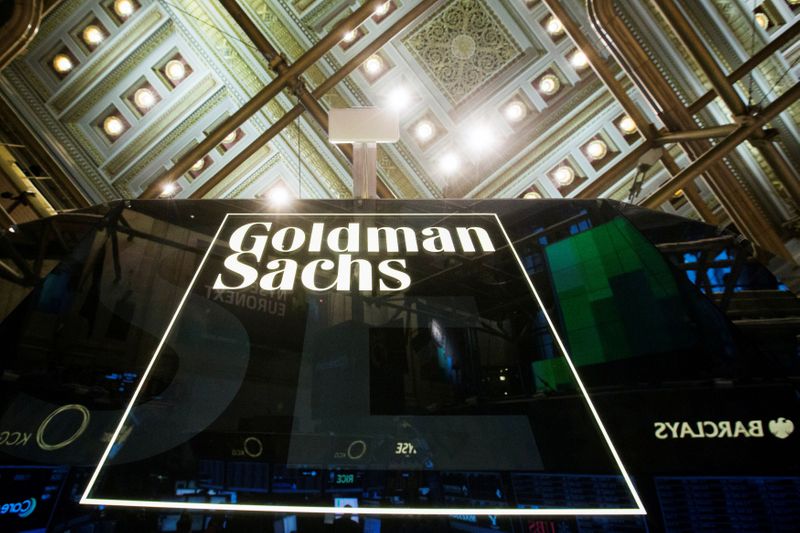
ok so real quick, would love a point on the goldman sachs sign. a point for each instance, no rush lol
(354, 344)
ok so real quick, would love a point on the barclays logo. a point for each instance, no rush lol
(22, 509)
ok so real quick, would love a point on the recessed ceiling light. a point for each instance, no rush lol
(579, 60)
(144, 98)
(231, 137)
(175, 70)
(113, 126)
(596, 149)
(549, 84)
(449, 163)
(124, 8)
(564, 175)
(399, 98)
(554, 26)
(62, 63)
(374, 64)
(424, 130)
(627, 125)
(382, 9)
(93, 35)
(350, 36)
(480, 138)
(762, 20)
(198, 166)
(532, 195)
(515, 111)
(169, 189)
(279, 195)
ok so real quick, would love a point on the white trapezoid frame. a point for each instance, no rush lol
(89, 499)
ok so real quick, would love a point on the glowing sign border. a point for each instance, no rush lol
(430, 511)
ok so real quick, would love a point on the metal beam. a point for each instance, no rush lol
(260, 99)
(722, 148)
(787, 36)
(712, 132)
(344, 71)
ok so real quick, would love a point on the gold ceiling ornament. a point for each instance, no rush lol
(462, 47)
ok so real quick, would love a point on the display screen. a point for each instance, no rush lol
(357, 341)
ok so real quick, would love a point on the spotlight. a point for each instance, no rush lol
(549, 84)
(231, 137)
(198, 166)
(382, 9)
(373, 65)
(554, 26)
(762, 20)
(515, 111)
(93, 35)
(564, 175)
(124, 8)
(175, 70)
(144, 98)
(424, 130)
(480, 138)
(62, 63)
(169, 189)
(399, 98)
(113, 126)
(596, 149)
(579, 60)
(627, 125)
(350, 36)
(279, 196)
(532, 195)
(449, 163)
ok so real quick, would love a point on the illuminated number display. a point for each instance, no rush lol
(404, 448)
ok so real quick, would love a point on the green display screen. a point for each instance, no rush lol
(617, 296)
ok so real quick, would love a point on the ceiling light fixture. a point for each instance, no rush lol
(579, 60)
(564, 175)
(532, 195)
(762, 20)
(198, 166)
(382, 9)
(449, 163)
(350, 36)
(373, 65)
(515, 111)
(93, 35)
(279, 196)
(554, 26)
(124, 8)
(62, 63)
(549, 84)
(231, 137)
(113, 126)
(596, 150)
(480, 138)
(175, 70)
(169, 189)
(399, 98)
(424, 130)
(144, 98)
(627, 125)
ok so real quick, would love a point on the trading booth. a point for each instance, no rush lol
(373, 365)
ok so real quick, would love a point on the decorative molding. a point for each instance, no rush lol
(122, 184)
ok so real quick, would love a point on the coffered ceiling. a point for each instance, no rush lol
(493, 102)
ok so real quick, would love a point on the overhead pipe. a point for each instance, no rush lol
(740, 207)
(214, 138)
(330, 82)
(598, 64)
(712, 132)
(686, 34)
(722, 148)
(786, 37)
